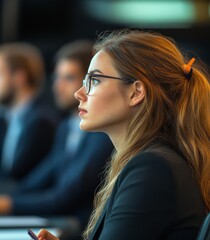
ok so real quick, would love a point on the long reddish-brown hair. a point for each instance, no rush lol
(175, 108)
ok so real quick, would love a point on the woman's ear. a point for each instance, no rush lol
(137, 93)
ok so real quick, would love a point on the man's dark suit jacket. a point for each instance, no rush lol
(35, 141)
(62, 184)
(155, 198)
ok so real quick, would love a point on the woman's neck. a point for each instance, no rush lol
(118, 136)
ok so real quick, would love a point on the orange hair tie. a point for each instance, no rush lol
(187, 68)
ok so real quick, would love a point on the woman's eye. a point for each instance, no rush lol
(94, 81)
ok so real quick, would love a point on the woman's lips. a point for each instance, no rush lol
(82, 111)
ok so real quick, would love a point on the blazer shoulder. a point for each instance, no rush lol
(146, 158)
(158, 164)
(162, 156)
(39, 110)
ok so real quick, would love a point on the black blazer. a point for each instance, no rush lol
(155, 197)
(35, 141)
(65, 184)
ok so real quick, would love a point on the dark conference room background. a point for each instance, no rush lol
(49, 24)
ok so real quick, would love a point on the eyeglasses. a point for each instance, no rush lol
(88, 82)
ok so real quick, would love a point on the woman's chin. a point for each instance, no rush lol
(85, 127)
(88, 128)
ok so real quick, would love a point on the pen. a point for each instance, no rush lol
(32, 234)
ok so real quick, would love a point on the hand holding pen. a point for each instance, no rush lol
(43, 235)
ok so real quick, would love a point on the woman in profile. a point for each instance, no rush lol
(154, 105)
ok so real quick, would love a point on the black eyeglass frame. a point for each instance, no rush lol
(85, 81)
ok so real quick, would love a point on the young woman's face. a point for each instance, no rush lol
(106, 106)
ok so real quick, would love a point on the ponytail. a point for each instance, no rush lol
(193, 129)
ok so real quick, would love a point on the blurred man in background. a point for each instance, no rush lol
(27, 125)
(65, 182)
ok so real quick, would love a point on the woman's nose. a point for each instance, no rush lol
(80, 94)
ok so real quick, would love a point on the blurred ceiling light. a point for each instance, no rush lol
(144, 13)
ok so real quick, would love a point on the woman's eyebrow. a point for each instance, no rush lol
(95, 70)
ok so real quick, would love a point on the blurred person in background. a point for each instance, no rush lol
(65, 182)
(27, 124)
